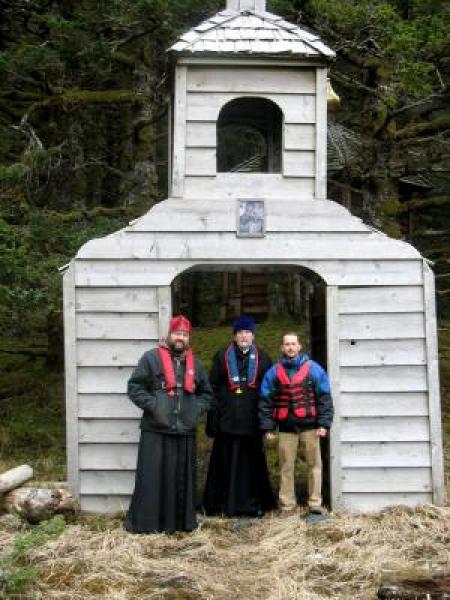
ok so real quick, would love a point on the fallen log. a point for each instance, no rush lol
(39, 504)
(9, 480)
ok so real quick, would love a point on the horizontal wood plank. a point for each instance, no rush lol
(112, 457)
(380, 404)
(107, 406)
(105, 505)
(116, 273)
(201, 161)
(103, 380)
(386, 454)
(384, 379)
(299, 163)
(112, 353)
(381, 326)
(364, 353)
(117, 326)
(385, 429)
(384, 299)
(250, 185)
(296, 108)
(119, 483)
(373, 502)
(297, 246)
(299, 137)
(252, 80)
(109, 431)
(113, 300)
(398, 480)
(201, 134)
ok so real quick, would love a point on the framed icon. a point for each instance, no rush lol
(251, 218)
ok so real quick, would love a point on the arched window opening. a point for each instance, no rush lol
(249, 136)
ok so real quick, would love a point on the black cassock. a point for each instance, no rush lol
(238, 481)
(165, 488)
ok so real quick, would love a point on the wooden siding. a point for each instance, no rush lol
(382, 444)
(299, 163)
(237, 80)
(379, 352)
(373, 502)
(201, 134)
(383, 404)
(105, 504)
(376, 479)
(385, 454)
(111, 457)
(201, 161)
(112, 300)
(384, 379)
(388, 299)
(382, 326)
(384, 429)
(107, 406)
(299, 137)
(112, 353)
(250, 185)
(109, 431)
(296, 108)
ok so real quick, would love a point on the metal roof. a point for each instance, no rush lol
(251, 32)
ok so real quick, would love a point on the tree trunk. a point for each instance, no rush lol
(38, 504)
(14, 478)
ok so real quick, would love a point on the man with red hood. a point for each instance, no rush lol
(172, 388)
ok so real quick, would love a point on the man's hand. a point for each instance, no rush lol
(321, 432)
(269, 436)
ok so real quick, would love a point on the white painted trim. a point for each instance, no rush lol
(71, 379)
(170, 148)
(437, 462)
(333, 361)
(321, 134)
(179, 134)
(165, 309)
(279, 62)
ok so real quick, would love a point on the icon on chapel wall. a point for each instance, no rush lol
(251, 218)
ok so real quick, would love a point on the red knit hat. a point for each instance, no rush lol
(180, 323)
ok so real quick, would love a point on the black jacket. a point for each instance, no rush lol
(162, 413)
(235, 414)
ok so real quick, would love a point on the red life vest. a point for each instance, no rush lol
(169, 373)
(296, 394)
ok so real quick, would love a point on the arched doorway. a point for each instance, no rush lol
(282, 298)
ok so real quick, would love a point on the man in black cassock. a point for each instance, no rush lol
(172, 388)
(237, 481)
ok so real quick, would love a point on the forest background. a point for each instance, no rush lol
(84, 89)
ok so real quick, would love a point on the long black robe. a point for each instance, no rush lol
(165, 486)
(238, 481)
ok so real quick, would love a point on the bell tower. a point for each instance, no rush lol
(249, 109)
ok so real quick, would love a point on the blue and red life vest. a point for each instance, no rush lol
(169, 373)
(231, 366)
(296, 394)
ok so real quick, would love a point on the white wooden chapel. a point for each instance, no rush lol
(386, 445)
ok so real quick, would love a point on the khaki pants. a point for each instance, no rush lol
(310, 446)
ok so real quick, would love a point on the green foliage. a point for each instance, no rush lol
(15, 573)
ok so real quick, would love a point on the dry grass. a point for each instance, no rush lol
(276, 558)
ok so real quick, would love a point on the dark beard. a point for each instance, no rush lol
(177, 351)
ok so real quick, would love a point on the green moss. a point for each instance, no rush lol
(438, 124)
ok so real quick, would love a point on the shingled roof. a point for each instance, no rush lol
(251, 32)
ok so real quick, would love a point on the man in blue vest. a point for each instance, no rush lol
(238, 480)
(296, 398)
